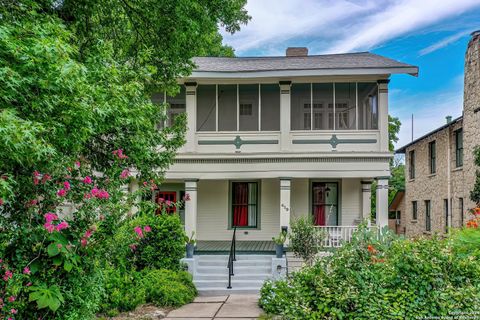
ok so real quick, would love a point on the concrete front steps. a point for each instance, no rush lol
(250, 271)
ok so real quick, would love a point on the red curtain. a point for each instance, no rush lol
(319, 215)
(240, 201)
(319, 205)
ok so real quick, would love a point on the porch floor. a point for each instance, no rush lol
(223, 247)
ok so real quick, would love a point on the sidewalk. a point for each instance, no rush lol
(232, 307)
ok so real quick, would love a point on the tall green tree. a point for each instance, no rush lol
(163, 34)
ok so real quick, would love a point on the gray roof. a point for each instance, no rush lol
(451, 123)
(360, 60)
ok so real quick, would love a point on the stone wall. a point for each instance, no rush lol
(471, 108)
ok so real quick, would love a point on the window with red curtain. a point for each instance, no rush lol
(244, 204)
(325, 203)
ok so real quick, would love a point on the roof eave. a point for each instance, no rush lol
(302, 73)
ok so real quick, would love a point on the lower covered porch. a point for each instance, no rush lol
(260, 209)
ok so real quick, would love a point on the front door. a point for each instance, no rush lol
(325, 203)
(164, 198)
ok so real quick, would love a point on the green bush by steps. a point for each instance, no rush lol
(124, 291)
(161, 248)
(384, 278)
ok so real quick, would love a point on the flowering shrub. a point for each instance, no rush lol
(52, 253)
(384, 278)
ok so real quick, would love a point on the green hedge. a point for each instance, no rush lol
(386, 278)
(161, 248)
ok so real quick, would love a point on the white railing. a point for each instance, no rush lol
(336, 235)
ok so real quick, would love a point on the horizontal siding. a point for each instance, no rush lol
(213, 207)
(351, 204)
(213, 210)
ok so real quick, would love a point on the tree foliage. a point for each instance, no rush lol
(163, 34)
(475, 193)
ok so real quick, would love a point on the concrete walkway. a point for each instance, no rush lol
(232, 307)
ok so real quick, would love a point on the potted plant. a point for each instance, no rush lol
(279, 242)
(190, 244)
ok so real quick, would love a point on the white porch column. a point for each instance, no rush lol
(191, 207)
(383, 113)
(285, 184)
(285, 114)
(382, 202)
(366, 200)
(191, 110)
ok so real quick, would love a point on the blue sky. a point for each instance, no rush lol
(431, 34)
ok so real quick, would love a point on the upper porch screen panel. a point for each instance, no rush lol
(270, 106)
(227, 107)
(206, 107)
(248, 107)
(368, 106)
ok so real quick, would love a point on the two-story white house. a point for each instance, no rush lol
(271, 139)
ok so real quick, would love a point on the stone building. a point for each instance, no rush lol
(440, 169)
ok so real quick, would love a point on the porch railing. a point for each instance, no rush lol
(231, 258)
(336, 235)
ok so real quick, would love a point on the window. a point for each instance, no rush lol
(459, 148)
(428, 211)
(445, 210)
(325, 203)
(164, 197)
(411, 162)
(246, 109)
(460, 207)
(432, 157)
(244, 204)
(414, 210)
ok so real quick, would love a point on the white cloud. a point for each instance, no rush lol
(443, 42)
(340, 25)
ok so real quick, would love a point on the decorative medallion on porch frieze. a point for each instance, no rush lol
(237, 142)
(334, 141)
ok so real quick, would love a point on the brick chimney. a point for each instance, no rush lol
(296, 52)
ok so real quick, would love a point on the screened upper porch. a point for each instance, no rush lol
(334, 106)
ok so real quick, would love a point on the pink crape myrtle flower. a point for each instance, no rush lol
(61, 192)
(77, 164)
(119, 154)
(13, 311)
(26, 270)
(11, 299)
(186, 197)
(125, 174)
(49, 227)
(138, 231)
(87, 180)
(66, 185)
(133, 247)
(49, 217)
(8, 275)
(62, 225)
(84, 242)
(1, 202)
(88, 234)
(147, 229)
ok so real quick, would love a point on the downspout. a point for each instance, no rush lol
(449, 179)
